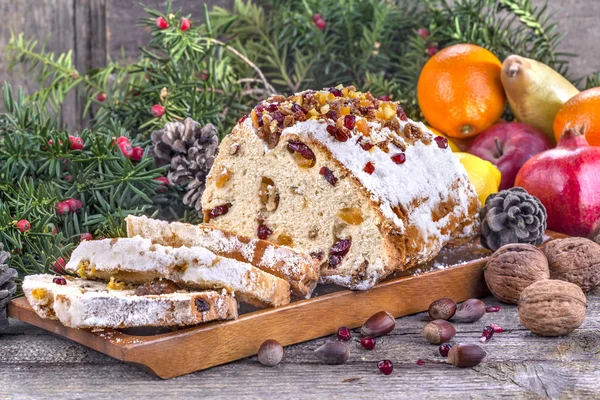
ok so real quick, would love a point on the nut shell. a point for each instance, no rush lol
(439, 331)
(465, 355)
(575, 260)
(270, 353)
(512, 268)
(379, 324)
(332, 352)
(552, 307)
(469, 311)
(443, 308)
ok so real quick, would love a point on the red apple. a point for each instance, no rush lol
(508, 146)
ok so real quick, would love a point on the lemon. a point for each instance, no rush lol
(452, 145)
(484, 175)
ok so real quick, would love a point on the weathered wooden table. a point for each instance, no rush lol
(37, 365)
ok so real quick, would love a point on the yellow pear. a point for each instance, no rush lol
(535, 92)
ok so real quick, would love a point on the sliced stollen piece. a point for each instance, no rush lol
(137, 260)
(86, 304)
(296, 267)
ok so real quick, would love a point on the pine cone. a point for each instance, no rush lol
(191, 150)
(512, 216)
(8, 287)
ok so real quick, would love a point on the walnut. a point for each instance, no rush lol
(552, 308)
(575, 260)
(512, 268)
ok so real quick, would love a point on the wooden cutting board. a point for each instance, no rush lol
(456, 273)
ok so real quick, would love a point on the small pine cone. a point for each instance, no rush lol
(8, 286)
(512, 216)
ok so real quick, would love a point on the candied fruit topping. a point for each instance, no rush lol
(339, 134)
(363, 127)
(399, 158)
(328, 175)
(442, 142)
(351, 215)
(369, 168)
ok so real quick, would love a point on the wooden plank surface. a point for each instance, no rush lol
(37, 365)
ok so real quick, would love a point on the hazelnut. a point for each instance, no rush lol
(469, 311)
(439, 331)
(442, 309)
(512, 268)
(464, 355)
(552, 307)
(332, 352)
(575, 260)
(270, 353)
(379, 324)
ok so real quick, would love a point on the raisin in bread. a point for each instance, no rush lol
(138, 260)
(299, 269)
(79, 303)
(345, 177)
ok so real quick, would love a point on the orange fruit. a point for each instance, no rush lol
(460, 92)
(582, 109)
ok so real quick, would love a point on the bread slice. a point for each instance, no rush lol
(299, 269)
(87, 304)
(346, 177)
(138, 260)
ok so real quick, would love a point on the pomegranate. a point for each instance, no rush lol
(567, 181)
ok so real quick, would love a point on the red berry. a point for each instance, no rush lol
(137, 153)
(123, 139)
(487, 334)
(492, 309)
(62, 208)
(68, 178)
(164, 181)
(444, 349)
(76, 142)
(86, 236)
(424, 33)
(101, 97)
(399, 158)
(420, 362)
(185, 24)
(54, 229)
(496, 328)
(23, 225)
(161, 23)
(59, 265)
(431, 50)
(349, 121)
(385, 366)
(321, 24)
(344, 334)
(317, 17)
(368, 343)
(263, 232)
(59, 280)
(126, 149)
(442, 142)
(384, 97)
(369, 168)
(157, 110)
(74, 204)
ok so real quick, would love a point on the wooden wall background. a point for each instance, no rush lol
(97, 29)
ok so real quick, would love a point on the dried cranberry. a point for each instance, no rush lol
(336, 92)
(339, 134)
(297, 108)
(334, 261)
(366, 146)
(344, 334)
(304, 150)
(487, 334)
(264, 232)
(272, 107)
(59, 280)
(328, 175)
(492, 309)
(241, 120)
(368, 343)
(318, 255)
(332, 115)
(444, 349)
(401, 114)
(279, 117)
(442, 142)
(384, 97)
(349, 121)
(369, 168)
(260, 108)
(338, 251)
(399, 158)
(385, 366)
(259, 120)
(219, 210)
